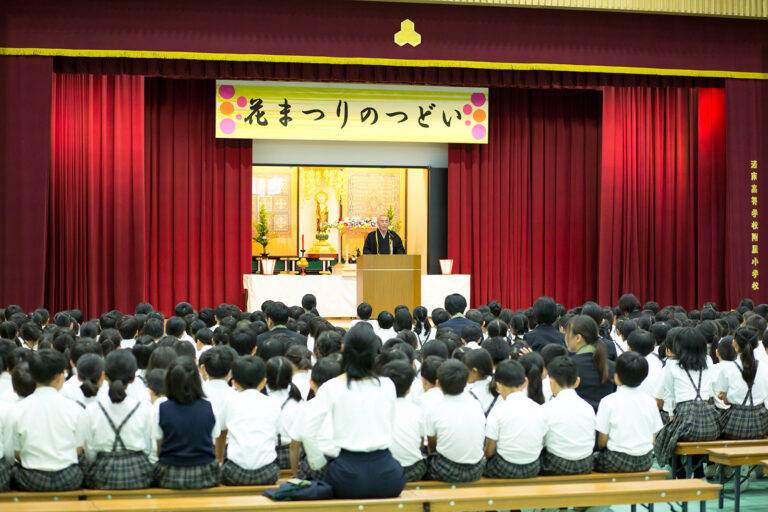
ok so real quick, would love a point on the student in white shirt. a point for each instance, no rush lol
(725, 353)
(281, 389)
(385, 329)
(156, 385)
(743, 384)
(515, 428)
(128, 327)
(364, 311)
(215, 366)
(71, 387)
(570, 423)
(362, 411)
(549, 353)
(203, 341)
(432, 394)
(480, 383)
(118, 431)
(6, 386)
(410, 428)
(627, 420)
(641, 342)
(687, 385)
(455, 428)
(324, 370)
(47, 430)
(533, 364)
(90, 376)
(249, 422)
(421, 325)
(301, 361)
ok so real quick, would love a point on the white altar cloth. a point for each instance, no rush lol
(337, 296)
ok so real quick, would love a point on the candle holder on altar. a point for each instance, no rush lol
(302, 263)
(321, 248)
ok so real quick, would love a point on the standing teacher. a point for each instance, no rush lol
(382, 240)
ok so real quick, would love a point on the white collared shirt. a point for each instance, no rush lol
(362, 414)
(630, 418)
(288, 410)
(416, 391)
(677, 387)
(325, 441)
(6, 439)
(730, 382)
(570, 423)
(128, 343)
(136, 390)
(385, 334)
(459, 424)
(546, 388)
(517, 425)
(409, 431)
(480, 391)
(654, 381)
(136, 433)
(72, 389)
(47, 430)
(301, 381)
(155, 417)
(6, 388)
(430, 399)
(217, 391)
(250, 419)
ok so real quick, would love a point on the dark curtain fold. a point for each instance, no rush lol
(662, 209)
(523, 215)
(25, 153)
(198, 200)
(96, 226)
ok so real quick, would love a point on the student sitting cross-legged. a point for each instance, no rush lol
(455, 428)
(627, 420)
(515, 428)
(249, 424)
(47, 430)
(570, 423)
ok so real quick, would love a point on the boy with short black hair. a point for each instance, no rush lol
(627, 420)
(48, 430)
(570, 422)
(364, 311)
(385, 330)
(215, 365)
(472, 336)
(455, 428)
(409, 422)
(432, 395)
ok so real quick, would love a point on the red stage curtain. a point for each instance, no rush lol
(25, 152)
(747, 140)
(662, 211)
(96, 229)
(523, 214)
(198, 200)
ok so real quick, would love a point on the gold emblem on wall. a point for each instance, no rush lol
(407, 34)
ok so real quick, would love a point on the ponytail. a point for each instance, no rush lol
(117, 391)
(279, 375)
(746, 339)
(421, 318)
(89, 388)
(587, 327)
(120, 369)
(533, 365)
(90, 367)
(294, 393)
(600, 359)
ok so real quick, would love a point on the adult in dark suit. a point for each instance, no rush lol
(277, 317)
(455, 304)
(545, 313)
(382, 240)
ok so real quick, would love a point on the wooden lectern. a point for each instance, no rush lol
(388, 280)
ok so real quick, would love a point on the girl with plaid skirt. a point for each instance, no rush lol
(744, 385)
(324, 370)
(515, 428)
(361, 406)
(687, 385)
(118, 431)
(184, 430)
(280, 387)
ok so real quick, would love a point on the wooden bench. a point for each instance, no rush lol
(736, 457)
(223, 490)
(434, 500)
(690, 448)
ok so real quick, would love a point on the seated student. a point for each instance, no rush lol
(203, 340)
(249, 421)
(90, 375)
(362, 411)
(385, 328)
(549, 353)
(403, 321)
(591, 357)
(432, 395)
(118, 431)
(364, 311)
(215, 367)
(407, 439)
(480, 383)
(47, 430)
(641, 342)
(687, 387)
(301, 361)
(324, 370)
(277, 318)
(472, 336)
(627, 420)
(455, 304)
(498, 348)
(455, 428)
(156, 385)
(421, 325)
(743, 385)
(128, 327)
(533, 364)
(570, 423)
(282, 390)
(515, 429)
(185, 430)
(545, 314)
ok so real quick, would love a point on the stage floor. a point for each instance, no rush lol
(337, 296)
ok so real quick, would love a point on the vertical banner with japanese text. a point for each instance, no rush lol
(754, 214)
(355, 112)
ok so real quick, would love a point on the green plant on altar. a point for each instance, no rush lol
(261, 234)
(393, 226)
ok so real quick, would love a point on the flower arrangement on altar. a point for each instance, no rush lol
(352, 224)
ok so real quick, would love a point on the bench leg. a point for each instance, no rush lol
(650, 507)
(688, 466)
(737, 489)
(702, 506)
(673, 462)
(685, 506)
(633, 508)
(721, 492)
